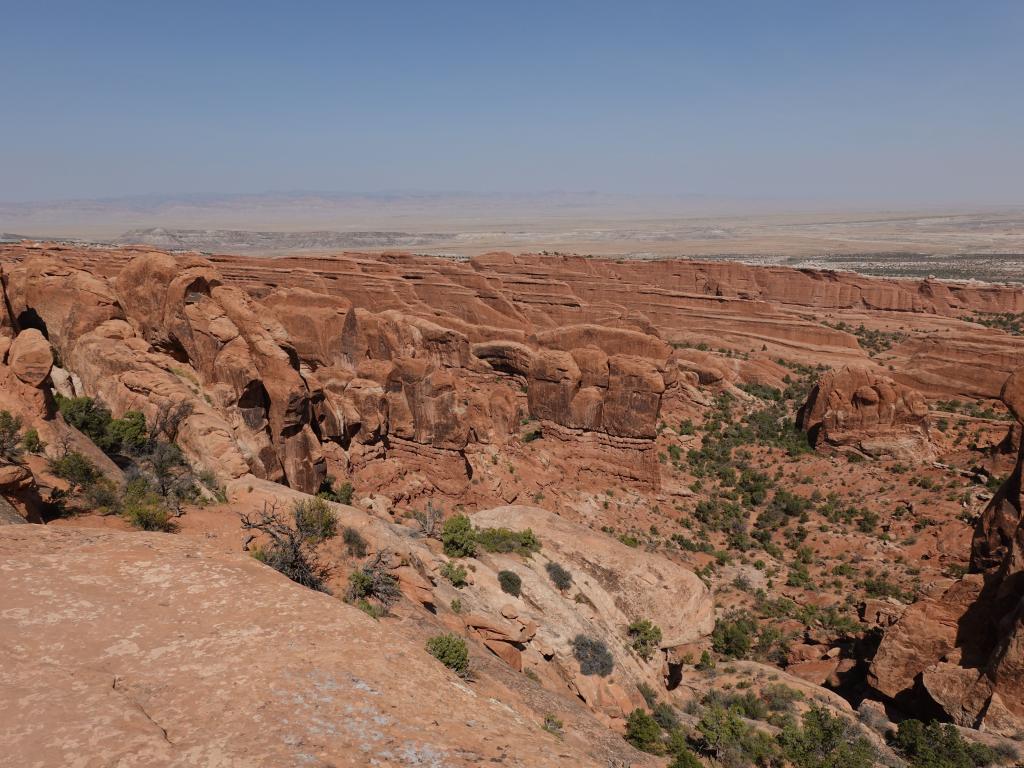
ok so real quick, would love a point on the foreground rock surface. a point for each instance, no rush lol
(147, 649)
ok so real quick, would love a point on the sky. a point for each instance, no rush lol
(896, 101)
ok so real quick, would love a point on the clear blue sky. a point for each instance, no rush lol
(891, 101)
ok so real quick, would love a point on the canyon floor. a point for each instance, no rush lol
(679, 511)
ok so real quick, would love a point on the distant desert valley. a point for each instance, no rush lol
(525, 484)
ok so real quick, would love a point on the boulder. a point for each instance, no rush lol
(859, 409)
(30, 357)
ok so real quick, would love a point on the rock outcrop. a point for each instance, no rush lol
(963, 649)
(856, 408)
(184, 655)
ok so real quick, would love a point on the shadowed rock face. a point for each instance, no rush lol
(963, 649)
(860, 409)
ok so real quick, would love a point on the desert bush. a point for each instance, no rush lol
(938, 745)
(315, 519)
(593, 656)
(824, 740)
(10, 437)
(644, 733)
(458, 537)
(76, 468)
(510, 583)
(507, 541)
(665, 715)
(128, 434)
(355, 544)
(290, 551)
(559, 576)
(456, 574)
(649, 694)
(733, 635)
(553, 724)
(645, 637)
(146, 511)
(779, 697)
(31, 442)
(451, 651)
(87, 416)
(341, 495)
(374, 582)
(726, 738)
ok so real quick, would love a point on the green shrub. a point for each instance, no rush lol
(341, 495)
(682, 757)
(644, 733)
(645, 637)
(10, 436)
(451, 651)
(510, 583)
(825, 741)
(726, 738)
(665, 715)
(559, 576)
(593, 656)
(374, 581)
(733, 635)
(76, 468)
(87, 416)
(553, 725)
(31, 442)
(458, 537)
(145, 510)
(315, 520)
(938, 745)
(507, 541)
(456, 605)
(354, 542)
(456, 574)
(128, 434)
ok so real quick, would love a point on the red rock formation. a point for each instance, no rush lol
(964, 649)
(860, 409)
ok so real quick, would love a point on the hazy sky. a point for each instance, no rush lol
(888, 101)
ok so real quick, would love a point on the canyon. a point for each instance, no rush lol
(803, 477)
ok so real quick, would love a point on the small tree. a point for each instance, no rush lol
(559, 576)
(645, 636)
(510, 583)
(451, 651)
(593, 656)
(458, 537)
(10, 437)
